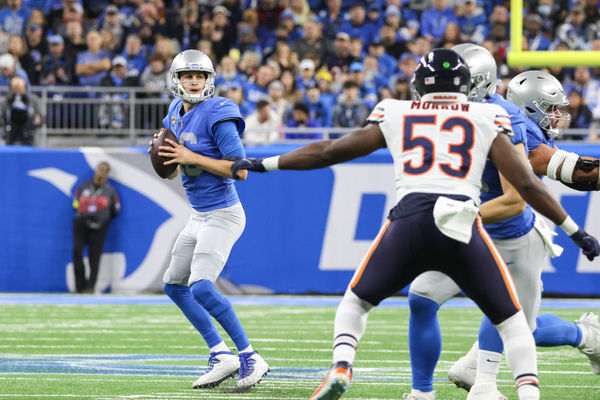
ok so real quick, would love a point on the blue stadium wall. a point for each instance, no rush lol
(305, 232)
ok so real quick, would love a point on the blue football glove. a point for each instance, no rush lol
(588, 244)
(251, 164)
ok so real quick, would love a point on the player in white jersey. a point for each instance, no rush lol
(521, 239)
(439, 146)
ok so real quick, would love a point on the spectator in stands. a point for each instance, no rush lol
(332, 18)
(402, 89)
(62, 13)
(373, 78)
(38, 18)
(13, 17)
(205, 46)
(356, 48)
(532, 30)
(300, 10)
(8, 70)
(136, 59)
(258, 90)
(300, 119)
(262, 125)
(367, 92)
(248, 64)
(283, 55)
(318, 108)
(18, 49)
(93, 64)
(234, 92)
(499, 15)
(306, 74)
(188, 30)
(340, 56)
(113, 23)
(20, 114)
(312, 44)
(392, 46)
(109, 42)
(350, 111)
(56, 69)
(268, 14)
(374, 16)
(385, 93)
(587, 86)
(581, 115)
(116, 112)
(472, 22)
(224, 34)
(451, 36)
(96, 203)
(165, 47)
(276, 99)
(154, 79)
(393, 17)
(228, 73)
(38, 48)
(324, 79)
(287, 21)
(290, 91)
(385, 62)
(574, 32)
(356, 25)
(435, 19)
(247, 40)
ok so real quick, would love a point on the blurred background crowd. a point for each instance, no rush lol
(296, 63)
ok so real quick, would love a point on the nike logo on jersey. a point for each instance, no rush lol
(222, 103)
(492, 361)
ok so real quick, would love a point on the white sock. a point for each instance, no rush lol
(520, 354)
(350, 325)
(248, 349)
(471, 357)
(220, 347)
(488, 364)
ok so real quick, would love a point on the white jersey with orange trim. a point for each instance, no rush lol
(439, 147)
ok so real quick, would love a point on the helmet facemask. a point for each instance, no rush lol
(555, 117)
(482, 87)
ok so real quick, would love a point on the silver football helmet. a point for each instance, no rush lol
(542, 98)
(192, 60)
(483, 70)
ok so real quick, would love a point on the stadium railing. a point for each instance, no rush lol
(76, 116)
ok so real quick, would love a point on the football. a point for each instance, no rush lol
(164, 171)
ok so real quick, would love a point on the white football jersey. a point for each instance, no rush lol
(439, 147)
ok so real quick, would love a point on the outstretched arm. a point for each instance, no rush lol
(513, 167)
(579, 173)
(321, 154)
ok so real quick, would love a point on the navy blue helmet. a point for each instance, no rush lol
(441, 71)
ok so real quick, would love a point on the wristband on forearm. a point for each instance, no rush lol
(271, 163)
(569, 226)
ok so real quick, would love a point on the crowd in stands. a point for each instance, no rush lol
(316, 63)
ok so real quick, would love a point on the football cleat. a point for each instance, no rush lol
(462, 373)
(590, 343)
(336, 382)
(416, 394)
(221, 365)
(252, 370)
(485, 391)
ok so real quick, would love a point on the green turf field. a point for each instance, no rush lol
(116, 351)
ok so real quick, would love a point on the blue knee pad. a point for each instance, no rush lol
(220, 308)
(197, 315)
(424, 340)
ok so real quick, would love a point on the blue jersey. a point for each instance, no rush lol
(536, 137)
(196, 129)
(518, 225)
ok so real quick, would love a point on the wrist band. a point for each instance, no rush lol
(271, 163)
(569, 226)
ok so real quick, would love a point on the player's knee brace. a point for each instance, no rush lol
(420, 305)
(209, 298)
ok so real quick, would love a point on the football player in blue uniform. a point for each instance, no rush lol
(523, 241)
(208, 129)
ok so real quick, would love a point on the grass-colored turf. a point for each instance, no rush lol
(152, 352)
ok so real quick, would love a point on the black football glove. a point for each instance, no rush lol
(588, 244)
(251, 164)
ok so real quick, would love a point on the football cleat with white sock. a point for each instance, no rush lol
(590, 342)
(335, 383)
(462, 373)
(221, 365)
(252, 369)
(418, 395)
